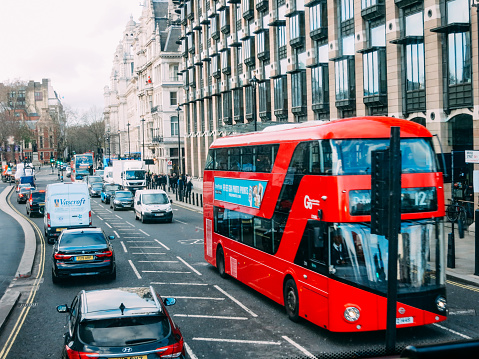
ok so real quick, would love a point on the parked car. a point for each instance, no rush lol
(154, 205)
(85, 251)
(22, 195)
(95, 189)
(36, 203)
(114, 323)
(121, 200)
(107, 190)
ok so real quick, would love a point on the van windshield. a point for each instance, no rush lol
(155, 198)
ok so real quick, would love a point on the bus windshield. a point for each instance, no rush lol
(135, 175)
(353, 157)
(361, 257)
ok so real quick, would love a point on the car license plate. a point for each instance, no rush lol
(405, 320)
(158, 214)
(60, 229)
(41, 204)
(83, 258)
(135, 357)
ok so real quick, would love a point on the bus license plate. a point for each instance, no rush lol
(83, 258)
(405, 320)
(60, 229)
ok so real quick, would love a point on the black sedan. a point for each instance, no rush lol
(95, 189)
(22, 194)
(35, 203)
(107, 190)
(121, 200)
(121, 323)
(82, 252)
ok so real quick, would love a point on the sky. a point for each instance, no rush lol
(70, 42)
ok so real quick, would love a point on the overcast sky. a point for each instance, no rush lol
(71, 42)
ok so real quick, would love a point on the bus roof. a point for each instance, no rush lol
(348, 128)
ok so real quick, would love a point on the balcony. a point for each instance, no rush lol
(196, 25)
(233, 41)
(248, 14)
(262, 5)
(374, 11)
(204, 20)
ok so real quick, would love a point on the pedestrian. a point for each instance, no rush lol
(189, 186)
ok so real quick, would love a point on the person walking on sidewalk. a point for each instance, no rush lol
(189, 186)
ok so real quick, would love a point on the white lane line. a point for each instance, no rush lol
(118, 236)
(142, 231)
(159, 283)
(126, 229)
(237, 341)
(208, 316)
(101, 219)
(189, 266)
(161, 244)
(134, 269)
(165, 271)
(200, 298)
(180, 221)
(130, 224)
(139, 247)
(149, 253)
(189, 351)
(157, 261)
(124, 247)
(299, 347)
(117, 216)
(106, 209)
(452, 331)
(236, 301)
(138, 241)
(134, 237)
(107, 224)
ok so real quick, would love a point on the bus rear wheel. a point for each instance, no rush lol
(220, 262)
(291, 300)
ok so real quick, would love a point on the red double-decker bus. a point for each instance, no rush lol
(287, 212)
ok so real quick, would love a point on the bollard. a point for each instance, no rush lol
(476, 237)
(201, 200)
(451, 251)
(197, 203)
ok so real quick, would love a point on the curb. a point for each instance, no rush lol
(8, 301)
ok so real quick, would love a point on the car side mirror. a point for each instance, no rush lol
(171, 201)
(111, 237)
(169, 301)
(138, 202)
(63, 308)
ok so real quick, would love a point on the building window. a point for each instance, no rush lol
(263, 45)
(264, 89)
(173, 98)
(41, 141)
(281, 97)
(298, 92)
(226, 62)
(320, 87)
(249, 51)
(174, 125)
(238, 104)
(374, 68)
(415, 79)
(225, 21)
(344, 70)
(347, 10)
(227, 110)
(38, 96)
(249, 102)
(283, 51)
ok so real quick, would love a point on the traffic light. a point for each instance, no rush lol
(52, 159)
(379, 191)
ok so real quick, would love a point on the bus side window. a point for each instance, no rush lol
(313, 250)
(326, 157)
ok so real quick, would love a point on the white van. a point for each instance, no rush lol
(67, 205)
(154, 205)
(108, 175)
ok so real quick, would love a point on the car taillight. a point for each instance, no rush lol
(49, 222)
(171, 351)
(73, 354)
(89, 214)
(104, 254)
(61, 257)
(31, 201)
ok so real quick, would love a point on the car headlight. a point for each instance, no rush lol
(441, 303)
(351, 314)
(116, 201)
(168, 209)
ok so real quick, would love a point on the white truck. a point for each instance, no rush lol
(130, 174)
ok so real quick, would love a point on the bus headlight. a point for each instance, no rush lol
(351, 314)
(441, 303)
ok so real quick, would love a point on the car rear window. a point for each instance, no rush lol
(81, 239)
(124, 331)
(38, 196)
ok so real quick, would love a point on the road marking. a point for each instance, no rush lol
(189, 266)
(299, 347)
(139, 247)
(134, 269)
(130, 224)
(191, 241)
(117, 216)
(107, 224)
(208, 316)
(126, 229)
(462, 312)
(138, 241)
(180, 221)
(124, 247)
(142, 231)
(237, 341)
(117, 234)
(190, 352)
(134, 237)
(161, 244)
(101, 219)
(452, 331)
(157, 261)
(106, 209)
(165, 271)
(236, 301)
(159, 283)
(465, 286)
(200, 298)
(148, 253)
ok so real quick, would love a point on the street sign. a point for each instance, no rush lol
(169, 163)
(472, 156)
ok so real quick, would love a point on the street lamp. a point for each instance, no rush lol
(109, 147)
(129, 152)
(119, 145)
(254, 82)
(143, 144)
(178, 109)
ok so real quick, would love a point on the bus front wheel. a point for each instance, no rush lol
(291, 300)
(220, 262)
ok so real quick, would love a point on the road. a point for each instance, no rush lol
(219, 318)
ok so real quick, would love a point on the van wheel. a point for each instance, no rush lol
(220, 262)
(142, 218)
(291, 300)
(136, 216)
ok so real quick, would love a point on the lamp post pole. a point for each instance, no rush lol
(119, 145)
(129, 152)
(143, 142)
(109, 148)
(254, 82)
(178, 109)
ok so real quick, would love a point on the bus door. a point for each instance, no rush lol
(313, 284)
